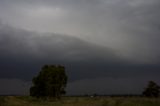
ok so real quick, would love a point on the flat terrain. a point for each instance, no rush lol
(79, 101)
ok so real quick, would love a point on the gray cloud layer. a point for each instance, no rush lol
(14, 87)
(32, 49)
(23, 53)
(94, 39)
(109, 85)
(128, 26)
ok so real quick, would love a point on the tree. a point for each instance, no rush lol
(50, 82)
(152, 90)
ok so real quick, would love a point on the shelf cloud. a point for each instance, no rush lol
(96, 40)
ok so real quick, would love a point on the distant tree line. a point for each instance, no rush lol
(52, 80)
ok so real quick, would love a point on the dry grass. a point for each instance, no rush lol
(78, 101)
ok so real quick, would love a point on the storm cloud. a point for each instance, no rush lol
(96, 40)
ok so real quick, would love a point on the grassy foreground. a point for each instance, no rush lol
(78, 101)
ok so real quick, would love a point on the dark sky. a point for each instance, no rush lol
(107, 46)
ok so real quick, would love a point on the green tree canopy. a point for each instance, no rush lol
(152, 90)
(50, 82)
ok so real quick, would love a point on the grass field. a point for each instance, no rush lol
(79, 101)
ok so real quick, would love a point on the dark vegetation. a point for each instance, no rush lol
(50, 82)
(152, 90)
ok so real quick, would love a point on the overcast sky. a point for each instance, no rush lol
(104, 44)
